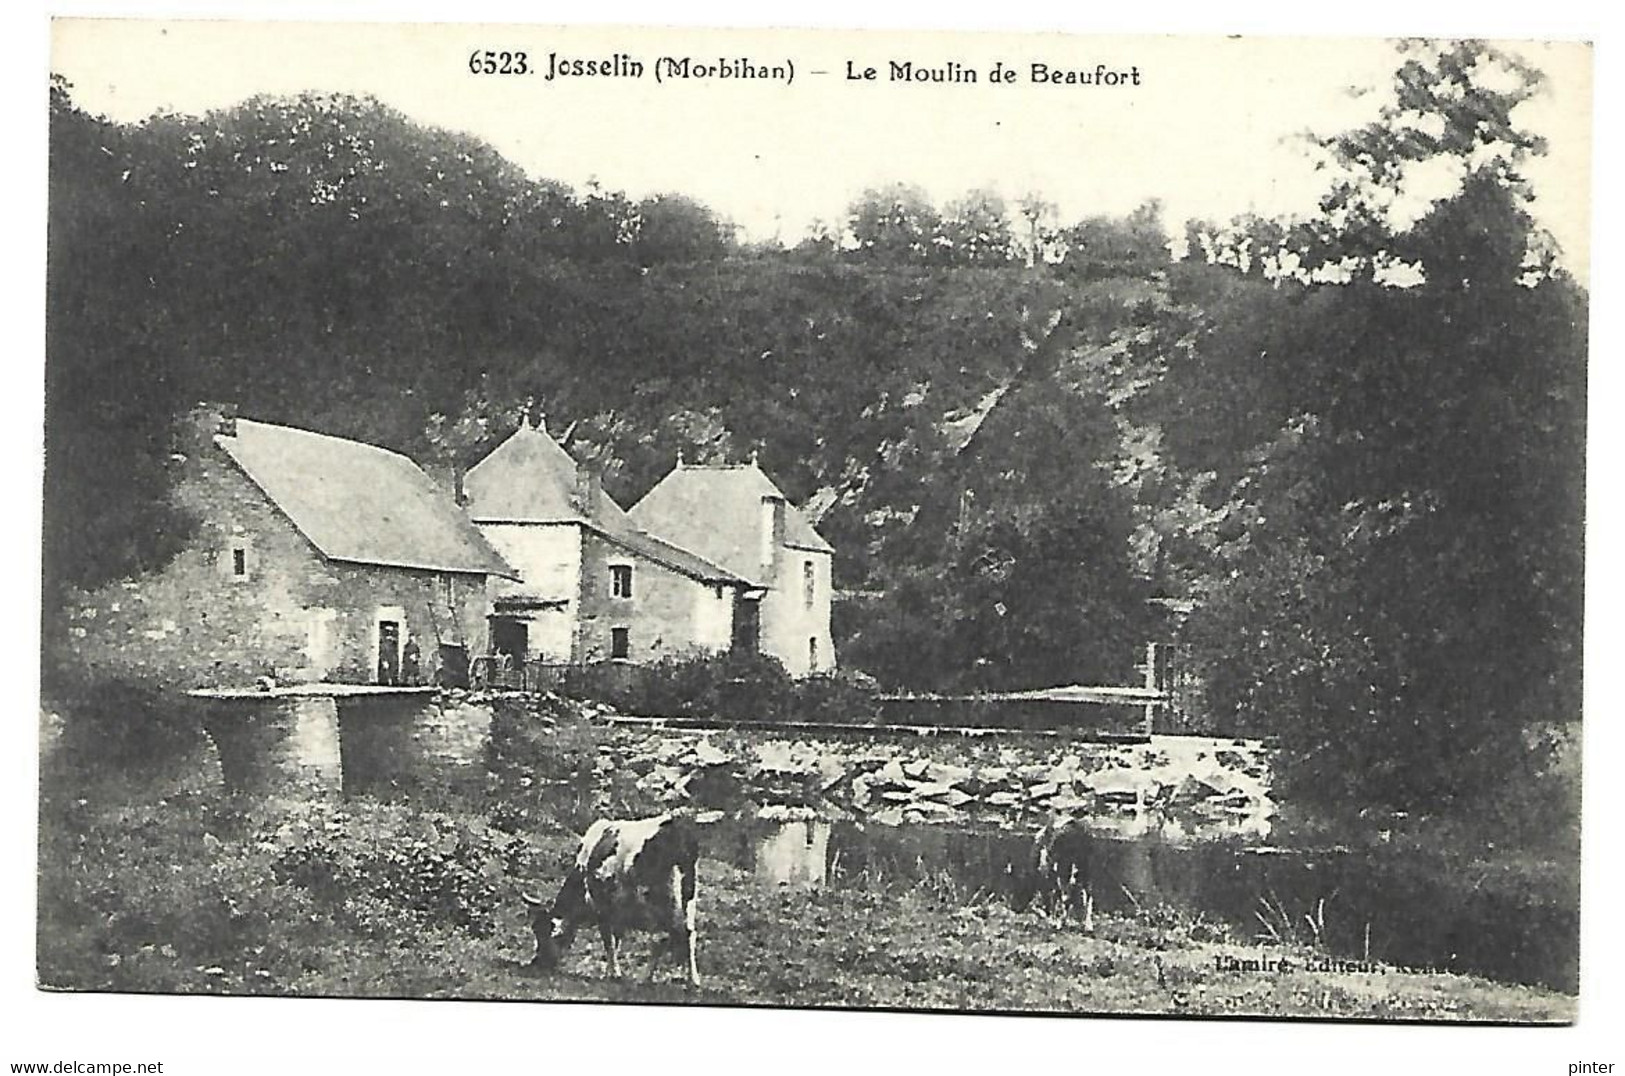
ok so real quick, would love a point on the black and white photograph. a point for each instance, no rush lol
(976, 523)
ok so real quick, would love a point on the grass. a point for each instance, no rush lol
(195, 895)
(174, 887)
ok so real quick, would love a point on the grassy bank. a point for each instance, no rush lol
(153, 880)
(928, 950)
(196, 894)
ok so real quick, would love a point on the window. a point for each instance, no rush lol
(448, 590)
(809, 582)
(239, 561)
(620, 642)
(812, 654)
(620, 580)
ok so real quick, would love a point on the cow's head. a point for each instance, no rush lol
(554, 933)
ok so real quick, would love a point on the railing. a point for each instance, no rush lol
(503, 673)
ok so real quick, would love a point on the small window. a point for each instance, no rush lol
(620, 580)
(809, 582)
(239, 561)
(448, 589)
(620, 643)
(812, 654)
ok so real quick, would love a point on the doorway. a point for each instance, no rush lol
(389, 652)
(510, 637)
(747, 634)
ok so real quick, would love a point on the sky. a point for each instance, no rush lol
(1212, 130)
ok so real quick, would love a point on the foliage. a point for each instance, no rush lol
(391, 866)
(1389, 557)
(122, 724)
(743, 688)
(164, 896)
(112, 393)
(321, 260)
(198, 893)
(1102, 247)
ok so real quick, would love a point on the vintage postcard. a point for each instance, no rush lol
(985, 523)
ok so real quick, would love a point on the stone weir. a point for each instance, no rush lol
(1197, 787)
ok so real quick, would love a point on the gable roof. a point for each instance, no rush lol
(360, 503)
(530, 478)
(716, 510)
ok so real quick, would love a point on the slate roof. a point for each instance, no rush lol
(530, 478)
(717, 509)
(360, 503)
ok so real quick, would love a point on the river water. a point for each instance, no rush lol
(1380, 904)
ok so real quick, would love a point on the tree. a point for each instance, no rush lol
(673, 228)
(895, 225)
(1395, 589)
(112, 390)
(1102, 247)
(975, 230)
(1038, 239)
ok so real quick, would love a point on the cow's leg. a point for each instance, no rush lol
(690, 939)
(612, 947)
(664, 947)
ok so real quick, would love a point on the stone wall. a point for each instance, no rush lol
(789, 623)
(548, 558)
(194, 622)
(451, 733)
(277, 747)
(660, 616)
(320, 746)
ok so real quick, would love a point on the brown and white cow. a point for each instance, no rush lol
(627, 875)
(1062, 851)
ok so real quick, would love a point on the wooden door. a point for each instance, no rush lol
(747, 635)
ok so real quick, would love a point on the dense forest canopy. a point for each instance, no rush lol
(1354, 440)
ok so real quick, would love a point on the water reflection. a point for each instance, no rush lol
(792, 853)
(1408, 910)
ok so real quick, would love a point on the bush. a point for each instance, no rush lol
(125, 725)
(729, 687)
(392, 866)
(150, 897)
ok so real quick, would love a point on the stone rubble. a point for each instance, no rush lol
(898, 782)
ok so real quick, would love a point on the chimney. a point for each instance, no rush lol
(587, 491)
(448, 475)
(773, 509)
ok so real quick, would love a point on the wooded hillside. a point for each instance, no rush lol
(1015, 429)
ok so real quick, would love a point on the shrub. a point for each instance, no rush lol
(125, 724)
(741, 688)
(387, 864)
(149, 897)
